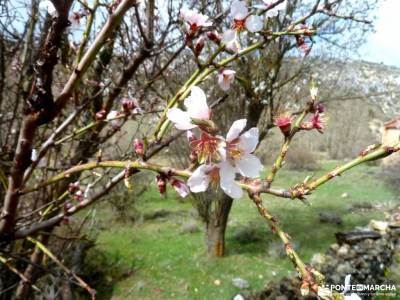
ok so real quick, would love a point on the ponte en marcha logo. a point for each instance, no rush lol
(362, 289)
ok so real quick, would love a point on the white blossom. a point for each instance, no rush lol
(196, 108)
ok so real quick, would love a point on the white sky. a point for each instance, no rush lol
(384, 44)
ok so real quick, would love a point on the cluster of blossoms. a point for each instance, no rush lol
(219, 158)
(128, 106)
(242, 20)
(78, 192)
(317, 121)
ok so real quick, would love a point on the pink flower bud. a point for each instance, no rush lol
(198, 47)
(180, 187)
(302, 45)
(139, 146)
(284, 122)
(78, 196)
(161, 183)
(214, 36)
(67, 206)
(128, 104)
(73, 187)
(101, 115)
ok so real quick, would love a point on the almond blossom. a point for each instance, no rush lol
(75, 19)
(206, 147)
(222, 174)
(239, 148)
(225, 79)
(241, 21)
(196, 108)
(194, 20)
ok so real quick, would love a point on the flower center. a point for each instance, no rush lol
(206, 147)
(233, 151)
(226, 77)
(194, 27)
(214, 177)
(239, 24)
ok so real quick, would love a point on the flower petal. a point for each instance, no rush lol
(249, 165)
(223, 84)
(239, 10)
(227, 181)
(229, 73)
(180, 118)
(112, 115)
(254, 23)
(180, 187)
(184, 13)
(199, 181)
(236, 128)
(248, 141)
(49, 7)
(229, 36)
(272, 13)
(222, 151)
(196, 104)
(233, 46)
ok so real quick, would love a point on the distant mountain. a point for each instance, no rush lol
(377, 83)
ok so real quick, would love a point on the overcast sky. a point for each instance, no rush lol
(384, 44)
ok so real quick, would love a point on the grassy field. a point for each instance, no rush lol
(153, 259)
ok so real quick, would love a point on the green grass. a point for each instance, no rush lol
(164, 264)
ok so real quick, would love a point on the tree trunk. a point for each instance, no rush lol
(31, 272)
(216, 226)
